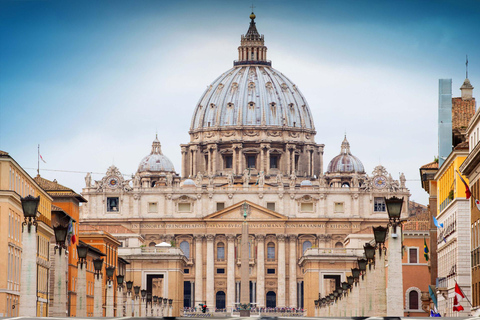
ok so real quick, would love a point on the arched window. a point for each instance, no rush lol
(306, 245)
(152, 244)
(271, 251)
(338, 245)
(413, 300)
(345, 185)
(185, 246)
(220, 251)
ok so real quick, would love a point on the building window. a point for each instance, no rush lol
(220, 251)
(306, 207)
(339, 245)
(184, 207)
(220, 270)
(345, 185)
(185, 246)
(306, 245)
(274, 162)
(412, 255)
(271, 206)
(338, 207)
(228, 162)
(251, 162)
(271, 251)
(413, 300)
(379, 204)
(112, 204)
(220, 206)
(270, 271)
(186, 271)
(152, 207)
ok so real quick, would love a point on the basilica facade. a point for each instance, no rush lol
(252, 140)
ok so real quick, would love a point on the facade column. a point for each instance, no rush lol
(240, 160)
(249, 53)
(109, 312)
(210, 290)
(238, 292)
(254, 292)
(214, 162)
(58, 308)
(198, 270)
(230, 271)
(81, 290)
(267, 171)
(395, 275)
(289, 160)
(120, 302)
(190, 164)
(292, 263)
(128, 307)
(262, 159)
(234, 160)
(293, 162)
(184, 162)
(194, 161)
(28, 275)
(281, 271)
(260, 270)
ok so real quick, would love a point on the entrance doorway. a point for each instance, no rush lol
(271, 299)
(220, 300)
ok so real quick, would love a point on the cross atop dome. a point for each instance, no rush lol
(252, 48)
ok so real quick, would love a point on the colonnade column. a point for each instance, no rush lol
(260, 270)
(293, 272)
(234, 160)
(230, 271)
(210, 290)
(198, 269)
(184, 164)
(281, 271)
(28, 273)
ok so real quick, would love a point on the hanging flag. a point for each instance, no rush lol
(434, 314)
(435, 222)
(433, 297)
(468, 194)
(477, 203)
(70, 233)
(425, 249)
(456, 299)
(41, 158)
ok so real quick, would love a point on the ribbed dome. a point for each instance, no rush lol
(345, 162)
(252, 96)
(156, 161)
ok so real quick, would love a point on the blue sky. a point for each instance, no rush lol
(92, 81)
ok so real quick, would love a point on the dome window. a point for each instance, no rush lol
(251, 105)
(251, 85)
(212, 105)
(273, 109)
(230, 105)
(345, 185)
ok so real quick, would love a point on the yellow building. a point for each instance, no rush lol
(15, 183)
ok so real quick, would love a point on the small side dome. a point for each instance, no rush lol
(189, 183)
(345, 162)
(306, 183)
(156, 161)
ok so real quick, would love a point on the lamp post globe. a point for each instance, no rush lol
(380, 234)
(110, 272)
(120, 279)
(369, 252)
(394, 207)
(129, 285)
(143, 292)
(362, 264)
(136, 289)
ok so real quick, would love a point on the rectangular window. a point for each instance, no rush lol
(338, 207)
(228, 162)
(273, 162)
(271, 253)
(306, 207)
(251, 161)
(270, 271)
(271, 206)
(221, 253)
(186, 271)
(412, 255)
(379, 204)
(152, 207)
(184, 207)
(220, 271)
(220, 206)
(112, 204)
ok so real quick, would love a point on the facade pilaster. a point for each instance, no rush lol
(184, 162)
(120, 302)
(28, 275)
(198, 270)
(260, 270)
(230, 271)
(281, 271)
(210, 290)
(292, 263)
(81, 290)
(128, 307)
(109, 312)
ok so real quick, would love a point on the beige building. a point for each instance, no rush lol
(15, 183)
(252, 139)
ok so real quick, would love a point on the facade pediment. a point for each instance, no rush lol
(234, 213)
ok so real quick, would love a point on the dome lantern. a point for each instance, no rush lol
(252, 48)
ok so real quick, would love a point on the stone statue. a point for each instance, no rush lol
(280, 179)
(199, 179)
(261, 179)
(210, 180)
(293, 180)
(169, 179)
(88, 180)
(354, 181)
(136, 180)
(402, 180)
(246, 177)
(230, 179)
(322, 181)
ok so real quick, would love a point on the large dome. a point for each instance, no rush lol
(345, 162)
(252, 95)
(156, 161)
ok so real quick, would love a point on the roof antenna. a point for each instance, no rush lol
(466, 67)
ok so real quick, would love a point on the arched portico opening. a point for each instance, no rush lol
(271, 299)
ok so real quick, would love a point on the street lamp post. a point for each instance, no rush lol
(28, 275)
(97, 289)
(120, 279)
(395, 274)
(59, 305)
(109, 312)
(380, 306)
